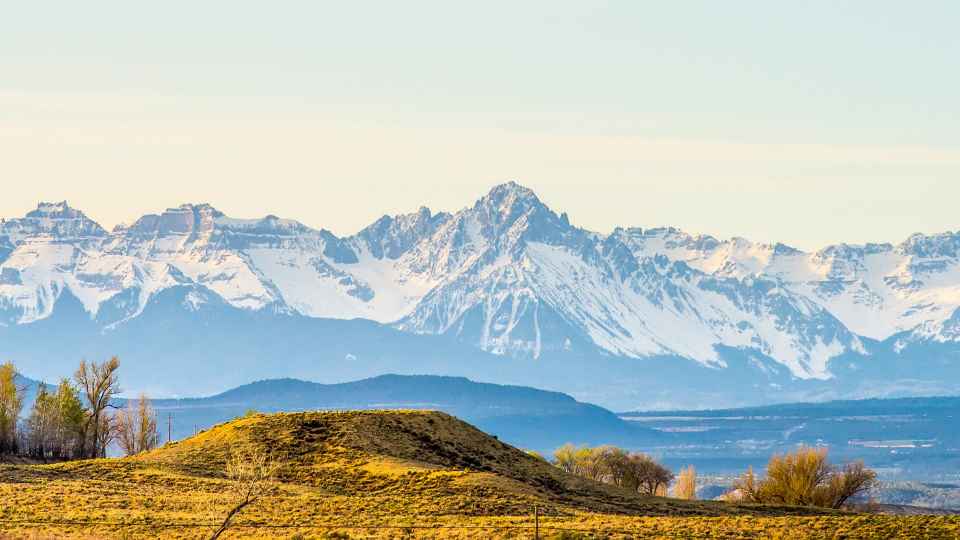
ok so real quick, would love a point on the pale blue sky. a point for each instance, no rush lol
(804, 122)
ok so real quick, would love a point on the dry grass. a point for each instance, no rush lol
(380, 475)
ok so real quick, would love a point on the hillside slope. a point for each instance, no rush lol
(418, 454)
(377, 474)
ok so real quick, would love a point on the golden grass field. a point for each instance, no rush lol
(396, 474)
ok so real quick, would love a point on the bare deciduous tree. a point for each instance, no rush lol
(850, 481)
(616, 466)
(136, 427)
(686, 487)
(633, 471)
(99, 385)
(651, 478)
(59, 426)
(54, 422)
(596, 463)
(250, 470)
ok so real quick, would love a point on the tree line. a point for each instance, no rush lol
(77, 419)
(635, 471)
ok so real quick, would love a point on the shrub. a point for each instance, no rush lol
(806, 478)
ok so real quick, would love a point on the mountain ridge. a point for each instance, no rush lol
(507, 275)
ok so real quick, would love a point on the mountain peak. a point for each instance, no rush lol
(55, 210)
(507, 202)
(392, 236)
(946, 244)
(511, 191)
(512, 214)
(55, 219)
(184, 219)
(199, 208)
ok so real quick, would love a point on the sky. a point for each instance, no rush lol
(808, 123)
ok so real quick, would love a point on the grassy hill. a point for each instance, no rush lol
(416, 474)
(526, 417)
(423, 456)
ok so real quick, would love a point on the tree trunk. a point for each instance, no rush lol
(230, 515)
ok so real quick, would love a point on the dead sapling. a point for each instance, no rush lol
(251, 471)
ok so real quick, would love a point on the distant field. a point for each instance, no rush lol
(424, 475)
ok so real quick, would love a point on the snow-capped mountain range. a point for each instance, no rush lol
(507, 275)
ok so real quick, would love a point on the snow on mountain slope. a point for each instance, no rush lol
(514, 267)
(507, 274)
(877, 290)
(41, 251)
(668, 308)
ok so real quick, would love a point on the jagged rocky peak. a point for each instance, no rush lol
(851, 254)
(59, 210)
(269, 225)
(674, 240)
(843, 251)
(511, 211)
(194, 225)
(199, 218)
(58, 220)
(183, 220)
(507, 202)
(392, 236)
(666, 238)
(782, 249)
(943, 245)
(665, 233)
